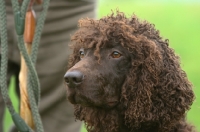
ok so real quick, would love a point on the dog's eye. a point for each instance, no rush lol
(82, 54)
(115, 54)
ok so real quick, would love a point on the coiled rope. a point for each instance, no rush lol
(33, 86)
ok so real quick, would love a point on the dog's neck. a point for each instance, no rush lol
(101, 120)
(122, 126)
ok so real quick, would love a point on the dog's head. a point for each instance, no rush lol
(124, 62)
(96, 80)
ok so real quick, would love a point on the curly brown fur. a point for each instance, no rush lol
(154, 94)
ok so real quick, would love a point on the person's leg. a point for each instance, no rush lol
(56, 111)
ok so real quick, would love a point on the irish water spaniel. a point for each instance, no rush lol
(123, 77)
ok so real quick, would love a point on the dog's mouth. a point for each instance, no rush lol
(72, 99)
(79, 99)
(87, 102)
(112, 103)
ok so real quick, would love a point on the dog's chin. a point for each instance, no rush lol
(85, 102)
(74, 99)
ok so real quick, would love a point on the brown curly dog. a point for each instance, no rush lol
(123, 77)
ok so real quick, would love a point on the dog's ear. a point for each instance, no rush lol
(157, 90)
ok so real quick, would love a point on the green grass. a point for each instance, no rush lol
(178, 22)
(12, 93)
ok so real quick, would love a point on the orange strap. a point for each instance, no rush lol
(30, 22)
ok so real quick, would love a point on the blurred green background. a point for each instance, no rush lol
(178, 21)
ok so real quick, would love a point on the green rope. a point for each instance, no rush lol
(38, 31)
(33, 86)
(4, 58)
(3, 74)
(19, 28)
(34, 51)
(30, 86)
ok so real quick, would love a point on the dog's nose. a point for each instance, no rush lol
(73, 78)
